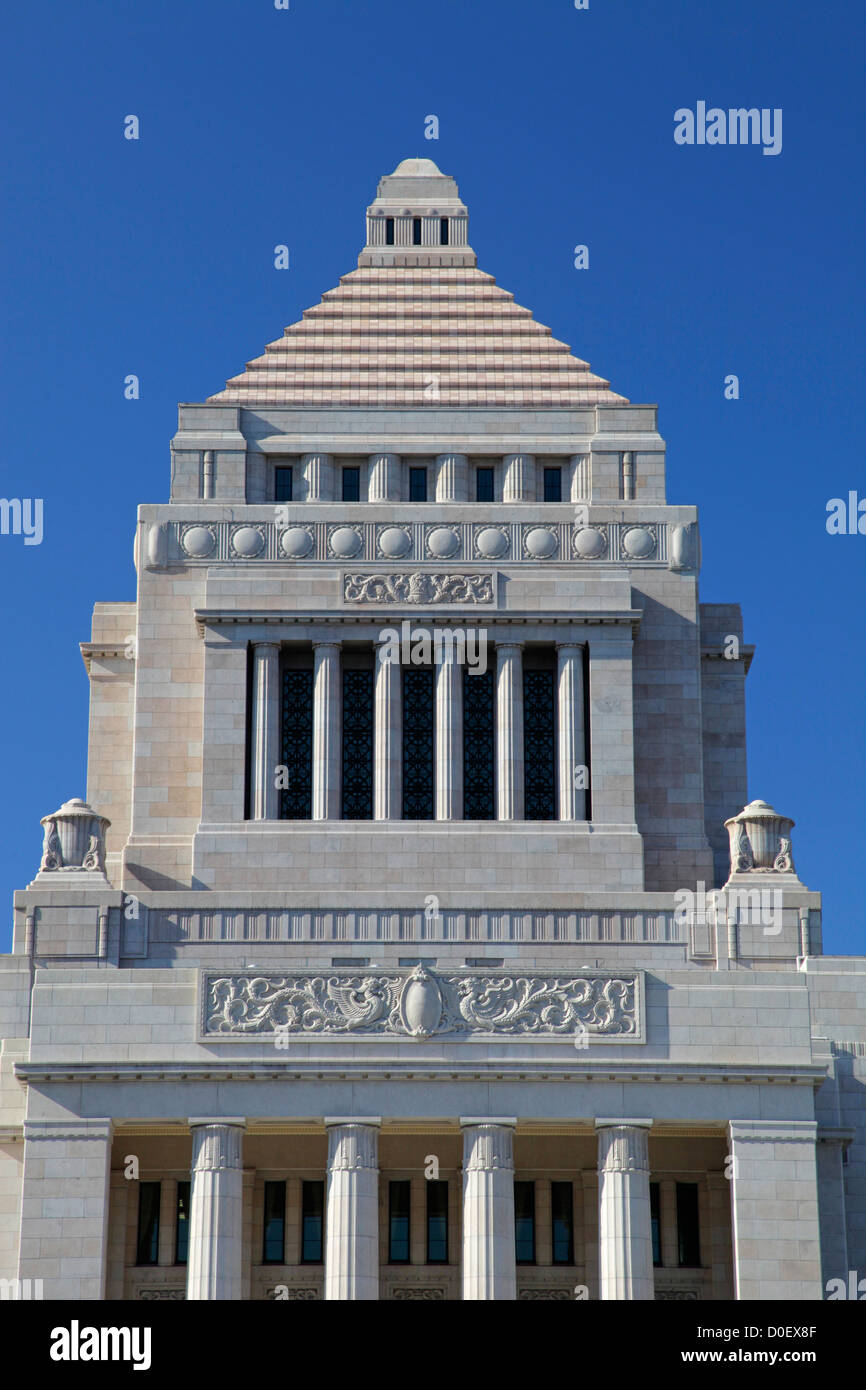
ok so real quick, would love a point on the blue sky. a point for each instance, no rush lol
(261, 127)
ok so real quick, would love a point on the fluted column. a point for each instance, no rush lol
(318, 471)
(489, 1262)
(387, 737)
(215, 1269)
(518, 478)
(264, 797)
(352, 1217)
(449, 736)
(326, 731)
(578, 479)
(384, 483)
(625, 1252)
(570, 742)
(509, 731)
(452, 478)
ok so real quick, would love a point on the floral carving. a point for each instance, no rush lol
(419, 587)
(421, 1004)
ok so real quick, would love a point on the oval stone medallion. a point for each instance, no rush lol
(443, 543)
(540, 543)
(296, 543)
(638, 543)
(247, 542)
(491, 543)
(344, 542)
(589, 543)
(198, 541)
(394, 543)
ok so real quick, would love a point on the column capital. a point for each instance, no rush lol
(266, 648)
(326, 646)
(571, 644)
(623, 1145)
(352, 1144)
(352, 1120)
(216, 1145)
(632, 1124)
(510, 645)
(505, 1120)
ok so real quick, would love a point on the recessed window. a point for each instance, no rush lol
(389, 231)
(351, 484)
(417, 484)
(688, 1232)
(147, 1243)
(274, 1241)
(484, 484)
(437, 1223)
(562, 1220)
(553, 484)
(181, 1224)
(283, 484)
(416, 231)
(443, 231)
(656, 1222)
(312, 1222)
(398, 1222)
(524, 1222)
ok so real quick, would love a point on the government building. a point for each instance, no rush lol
(418, 937)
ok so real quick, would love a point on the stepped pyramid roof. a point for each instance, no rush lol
(417, 324)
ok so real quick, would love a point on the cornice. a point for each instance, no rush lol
(376, 1069)
(427, 617)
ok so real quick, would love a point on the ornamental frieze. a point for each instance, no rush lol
(426, 587)
(596, 1006)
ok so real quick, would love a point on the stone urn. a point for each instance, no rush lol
(760, 840)
(74, 839)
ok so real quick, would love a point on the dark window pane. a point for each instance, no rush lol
(312, 1222)
(296, 800)
(437, 1223)
(181, 1227)
(274, 1244)
(357, 745)
(553, 484)
(524, 1222)
(484, 484)
(398, 1223)
(147, 1246)
(688, 1235)
(443, 231)
(562, 1217)
(416, 231)
(479, 745)
(418, 752)
(417, 484)
(389, 231)
(351, 484)
(539, 744)
(656, 1222)
(283, 480)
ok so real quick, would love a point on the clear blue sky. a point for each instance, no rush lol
(261, 126)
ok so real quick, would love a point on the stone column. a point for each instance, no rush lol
(776, 1257)
(489, 1264)
(318, 473)
(611, 722)
(509, 731)
(452, 478)
(215, 1269)
(571, 747)
(387, 736)
(518, 478)
(352, 1216)
(264, 797)
(449, 736)
(327, 707)
(384, 479)
(578, 478)
(65, 1200)
(625, 1251)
